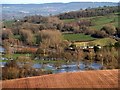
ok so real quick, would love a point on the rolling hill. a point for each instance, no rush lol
(10, 11)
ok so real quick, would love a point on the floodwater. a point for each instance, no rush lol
(1, 49)
(72, 67)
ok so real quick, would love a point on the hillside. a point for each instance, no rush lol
(98, 21)
(83, 29)
(21, 10)
(39, 45)
(87, 79)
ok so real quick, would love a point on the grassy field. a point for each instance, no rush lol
(104, 41)
(77, 37)
(99, 21)
(101, 42)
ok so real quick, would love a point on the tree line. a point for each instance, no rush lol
(90, 12)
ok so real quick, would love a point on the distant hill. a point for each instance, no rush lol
(10, 11)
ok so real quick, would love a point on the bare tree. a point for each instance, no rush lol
(79, 55)
(27, 36)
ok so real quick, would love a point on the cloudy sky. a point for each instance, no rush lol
(49, 1)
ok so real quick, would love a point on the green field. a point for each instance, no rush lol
(104, 41)
(101, 42)
(77, 37)
(99, 21)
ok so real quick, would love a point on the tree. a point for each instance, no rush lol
(25, 62)
(38, 38)
(10, 73)
(117, 45)
(12, 63)
(8, 49)
(27, 37)
(51, 37)
(99, 34)
(89, 31)
(68, 57)
(96, 49)
(67, 27)
(118, 31)
(84, 23)
(109, 29)
(90, 12)
(79, 55)
(109, 58)
(40, 52)
(6, 34)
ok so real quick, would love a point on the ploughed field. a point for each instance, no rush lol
(84, 79)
